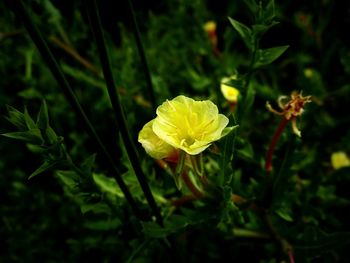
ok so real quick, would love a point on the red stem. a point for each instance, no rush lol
(276, 136)
(291, 257)
(195, 191)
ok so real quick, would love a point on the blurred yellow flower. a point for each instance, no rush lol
(190, 125)
(230, 93)
(339, 160)
(154, 146)
(209, 26)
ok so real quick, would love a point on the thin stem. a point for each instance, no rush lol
(71, 51)
(275, 138)
(20, 11)
(182, 200)
(142, 53)
(117, 107)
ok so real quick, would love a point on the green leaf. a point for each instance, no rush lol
(316, 242)
(47, 165)
(88, 163)
(249, 99)
(32, 136)
(98, 208)
(267, 56)
(269, 11)
(107, 184)
(227, 155)
(16, 117)
(68, 178)
(29, 121)
(104, 225)
(43, 117)
(174, 224)
(244, 31)
(51, 135)
(260, 29)
(285, 214)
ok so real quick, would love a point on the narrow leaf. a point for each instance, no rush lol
(227, 156)
(244, 31)
(32, 136)
(43, 117)
(29, 121)
(88, 163)
(107, 184)
(16, 117)
(267, 56)
(47, 165)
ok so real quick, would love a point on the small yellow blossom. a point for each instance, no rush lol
(339, 160)
(230, 93)
(209, 26)
(292, 108)
(308, 72)
(154, 146)
(189, 125)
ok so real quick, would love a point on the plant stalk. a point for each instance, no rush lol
(19, 9)
(117, 107)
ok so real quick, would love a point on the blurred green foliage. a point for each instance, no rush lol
(71, 210)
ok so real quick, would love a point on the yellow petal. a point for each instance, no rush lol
(230, 93)
(339, 160)
(189, 125)
(153, 145)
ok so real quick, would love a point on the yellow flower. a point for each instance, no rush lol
(154, 146)
(339, 160)
(189, 125)
(209, 26)
(230, 93)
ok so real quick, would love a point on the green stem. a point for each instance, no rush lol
(117, 107)
(142, 54)
(20, 11)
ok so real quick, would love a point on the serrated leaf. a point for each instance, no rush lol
(29, 121)
(107, 184)
(47, 165)
(43, 117)
(16, 117)
(32, 136)
(244, 31)
(267, 56)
